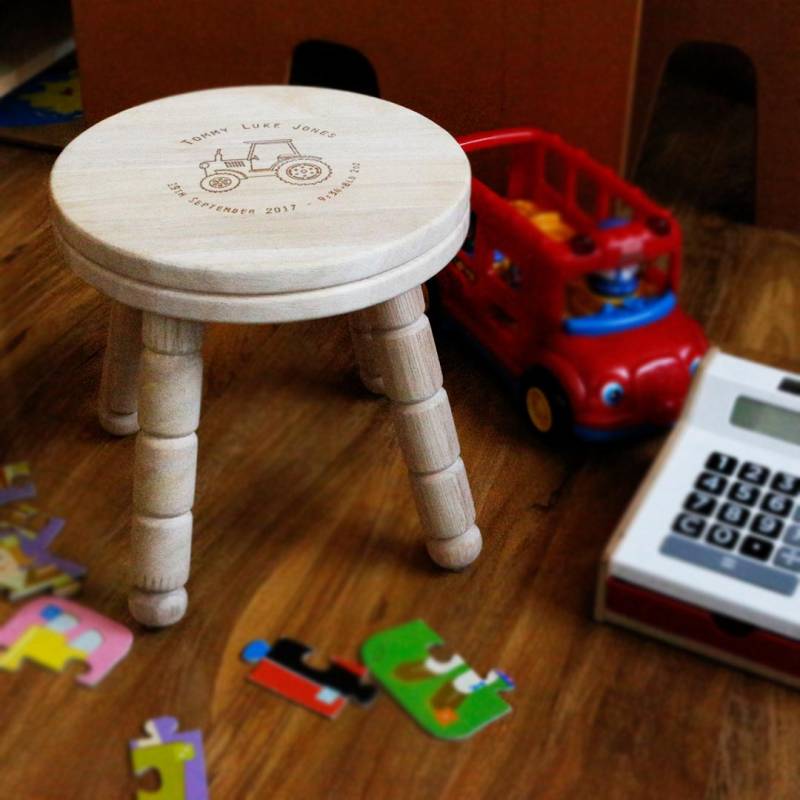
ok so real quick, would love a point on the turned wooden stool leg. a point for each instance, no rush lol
(166, 463)
(119, 380)
(412, 379)
(366, 357)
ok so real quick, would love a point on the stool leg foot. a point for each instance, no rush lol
(364, 348)
(117, 402)
(165, 468)
(158, 609)
(412, 379)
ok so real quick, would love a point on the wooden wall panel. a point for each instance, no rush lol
(767, 32)
(467, 64)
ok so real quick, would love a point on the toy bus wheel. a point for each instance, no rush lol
(546, 405)
(221, 182)
(303, 172)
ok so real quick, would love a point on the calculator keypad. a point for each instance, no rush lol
(777, 504)
(754, 473)
(792, 535)
(722, 536)
(788, 558)
(690, 525)
(719, 462)
(744, 493)
(732, 514)
(711, 482)
(745, 522)
(756, 548)
(788, 484)
(767, 525)
(700, 503)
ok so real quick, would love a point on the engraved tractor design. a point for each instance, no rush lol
(278, 157)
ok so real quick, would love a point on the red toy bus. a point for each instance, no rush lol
(569, 280)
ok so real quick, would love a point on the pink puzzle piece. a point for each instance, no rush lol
(53, 631)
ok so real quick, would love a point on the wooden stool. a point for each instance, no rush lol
(263, 204)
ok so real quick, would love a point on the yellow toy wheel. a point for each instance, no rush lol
(546, 404)
(539, 411)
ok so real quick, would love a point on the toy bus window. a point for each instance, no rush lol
(555, 170)
(469, 243)
(586, 193)
(506, 269)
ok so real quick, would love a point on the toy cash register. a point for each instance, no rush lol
(708, 554)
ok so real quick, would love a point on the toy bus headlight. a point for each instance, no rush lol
(612, 393)
(694, 364)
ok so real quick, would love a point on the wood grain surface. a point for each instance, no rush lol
(306, 528)
(281, 307)
(260, 190)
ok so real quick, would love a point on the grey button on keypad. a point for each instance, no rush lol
(728, 564)
(792, 535)
(788, 558)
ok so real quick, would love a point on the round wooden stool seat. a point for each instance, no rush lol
(263, 204)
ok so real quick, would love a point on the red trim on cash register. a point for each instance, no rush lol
(699, 625)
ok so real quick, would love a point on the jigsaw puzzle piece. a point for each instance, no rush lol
(36, 528)
(60, 578)
(169, 761)
(52, 633)
(298, 689)
(27, 567)
(158, 729)
(447, 698)
(14, 566)
(342, 676)
(16, 483)
(41, 645)
(284, 670)
(185, 753)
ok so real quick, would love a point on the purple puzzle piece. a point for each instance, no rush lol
(165, 730)
(35, 544)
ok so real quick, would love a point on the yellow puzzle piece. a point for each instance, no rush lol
(44, 646)
(169, 760)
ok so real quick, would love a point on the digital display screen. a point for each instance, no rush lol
(755, 415)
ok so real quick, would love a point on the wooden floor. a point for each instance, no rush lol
(305, 528)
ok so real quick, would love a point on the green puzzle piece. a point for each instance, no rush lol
(169, 760)
(448, 699)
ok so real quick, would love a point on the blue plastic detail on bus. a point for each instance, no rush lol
(612, 222)
(633, 313)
